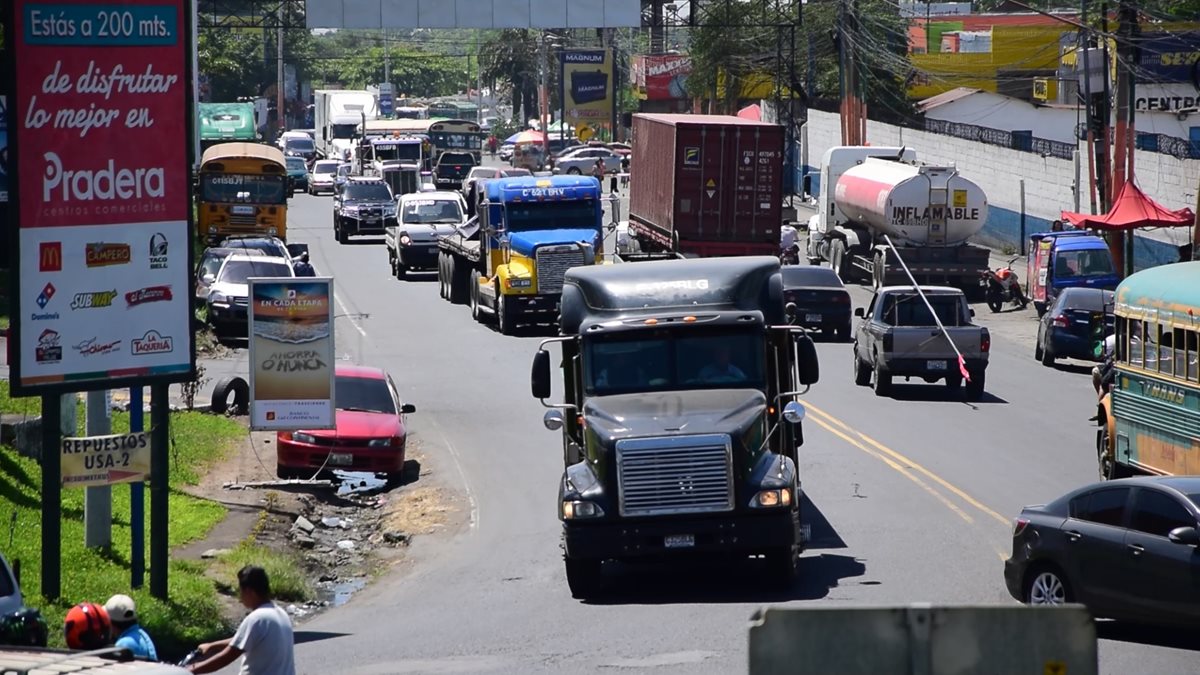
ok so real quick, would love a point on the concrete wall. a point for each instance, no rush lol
(985, 109)
(1048, 181)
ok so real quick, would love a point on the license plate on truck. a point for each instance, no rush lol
(812, 318)
(679, 540)
(937, 365)
(341, 459)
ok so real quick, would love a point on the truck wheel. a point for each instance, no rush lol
(837, 255)
(476, 311)
(460, 275)
(783, 566)
(883, 381)
(975, 386)
(505, 317)
(862, 371)
(585, 577)
(879, 270)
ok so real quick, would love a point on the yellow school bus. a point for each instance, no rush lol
(243, 190)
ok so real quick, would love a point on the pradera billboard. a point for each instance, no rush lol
(101, 290)
(291, 354)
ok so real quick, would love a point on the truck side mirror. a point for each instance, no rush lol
(540, 377)
(807, 365)
(859, 312)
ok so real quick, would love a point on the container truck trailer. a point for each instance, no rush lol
(928, 212)
(706, 185)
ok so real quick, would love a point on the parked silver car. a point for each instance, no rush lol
(583, 160)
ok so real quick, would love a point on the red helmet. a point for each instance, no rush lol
(87, 626)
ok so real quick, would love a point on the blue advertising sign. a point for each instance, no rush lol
(1170, 57)
(385, 104)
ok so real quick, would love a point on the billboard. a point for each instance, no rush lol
(661, 77)
(404, 14)
(586, 86)
(291, 354)
(100, 192)
(1169, 58)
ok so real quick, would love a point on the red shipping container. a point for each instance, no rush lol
(713, 183)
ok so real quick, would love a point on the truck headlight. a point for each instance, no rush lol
(767, 499)
(578, 510)
(519, 283)
(405, 240)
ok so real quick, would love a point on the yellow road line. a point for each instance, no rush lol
(914, 465)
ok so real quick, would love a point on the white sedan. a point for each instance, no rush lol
(583, 160)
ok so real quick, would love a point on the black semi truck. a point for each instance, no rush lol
(680, 425)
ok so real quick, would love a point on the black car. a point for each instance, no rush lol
(821, 299)
(1075, 325)
(363, 206)
(452, 169)
(1127, 549)
(300, 147)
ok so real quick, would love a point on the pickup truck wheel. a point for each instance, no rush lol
(783, 567)
(862, 371)
(883, 381)
(342, 237)
(400, 270)
(585, 577)
(975, 386)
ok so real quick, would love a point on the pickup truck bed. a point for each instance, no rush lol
(899, 337)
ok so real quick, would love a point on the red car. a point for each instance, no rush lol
(370, 434)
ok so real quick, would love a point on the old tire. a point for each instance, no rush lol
(975, 386)
(783, 567)
(862, 372)
(241, 396)
(883, 381)
(585, 577)
(837, 256)
(1109, 468)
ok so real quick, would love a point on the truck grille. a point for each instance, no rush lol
(235, 219)
(676, 474)
(553, 262)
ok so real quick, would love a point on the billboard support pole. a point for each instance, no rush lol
(51, 497)
(137, 500)
(159, 490)
(97, 500)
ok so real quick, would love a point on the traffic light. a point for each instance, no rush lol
(1096, 331)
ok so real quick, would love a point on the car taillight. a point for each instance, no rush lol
(1019, 526)
(843, 298)
(985, 342)
(1061, 321)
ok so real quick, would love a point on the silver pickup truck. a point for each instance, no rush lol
(898, 337)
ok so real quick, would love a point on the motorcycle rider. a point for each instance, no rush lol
(788, 249)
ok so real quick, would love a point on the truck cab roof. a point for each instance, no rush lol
(750, 285)
(1071, 241)
(541, 188)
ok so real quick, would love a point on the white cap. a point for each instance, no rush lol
(121, 609)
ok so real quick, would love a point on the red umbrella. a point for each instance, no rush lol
(1131, 210)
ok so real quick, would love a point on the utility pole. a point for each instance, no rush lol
(280, 99)
(544, 97)
(1126, 19)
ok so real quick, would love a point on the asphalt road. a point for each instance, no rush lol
(910, 500)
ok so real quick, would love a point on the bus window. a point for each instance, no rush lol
(1122, 330)
(1135, 343)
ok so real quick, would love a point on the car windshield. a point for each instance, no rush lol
(1082, 263)
(300, 145)
(667, 360)
(364, 393)
(243, 189)
(524, 216)
(430, 211)
(456, 158)
(795, 276)
(910, 310)
(368, 191)
(325, 167)
(238, 271)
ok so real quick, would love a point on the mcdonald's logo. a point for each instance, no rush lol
(50, 256)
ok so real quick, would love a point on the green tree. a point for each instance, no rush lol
(511, 56)
(232, 62)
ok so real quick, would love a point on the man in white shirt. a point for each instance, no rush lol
(787, 237)
(264, 640)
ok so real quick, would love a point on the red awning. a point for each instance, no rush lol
(1132, 209)
(751, 112)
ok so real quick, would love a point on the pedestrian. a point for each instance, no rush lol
(598, 169)
(302, 268)
(87, 626)
(1056, 226)
(130, 635)
(264, 639)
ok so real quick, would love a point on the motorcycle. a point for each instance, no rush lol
(790, 255)
(1002, 285)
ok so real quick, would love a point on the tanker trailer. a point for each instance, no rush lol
(929, 212)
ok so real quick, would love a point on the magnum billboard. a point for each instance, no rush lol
(291, 354)
(586, 80)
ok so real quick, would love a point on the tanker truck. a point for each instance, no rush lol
(928, 212)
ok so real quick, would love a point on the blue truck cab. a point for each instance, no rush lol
(530, 230)
(1059, 260)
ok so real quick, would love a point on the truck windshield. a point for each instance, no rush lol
(1082, 263)
(671, 360)
(343, 130)
(398, 152)
(242, 189)
(910, 310)
(573, 215)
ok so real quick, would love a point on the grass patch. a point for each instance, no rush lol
(193, 613)
(288, 583)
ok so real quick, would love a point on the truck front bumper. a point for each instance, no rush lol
(545, 305)
(940, 367)
(353, 225)
(643, 539)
